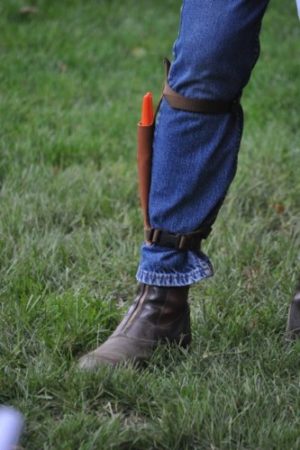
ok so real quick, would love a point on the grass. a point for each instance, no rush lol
(72, 76)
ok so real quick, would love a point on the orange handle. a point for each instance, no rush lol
(147, 116)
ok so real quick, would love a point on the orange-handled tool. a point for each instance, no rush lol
(144, 153)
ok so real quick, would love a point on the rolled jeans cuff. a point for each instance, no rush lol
(179, 268)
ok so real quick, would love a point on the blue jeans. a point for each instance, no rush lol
(195, 154)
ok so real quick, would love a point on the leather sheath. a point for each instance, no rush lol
(144, 159)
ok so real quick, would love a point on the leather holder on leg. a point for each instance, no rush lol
(188, 241)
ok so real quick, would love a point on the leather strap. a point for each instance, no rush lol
(178, 101)
(184, 242)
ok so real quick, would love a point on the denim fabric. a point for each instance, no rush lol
(195, 155)
(298, 7)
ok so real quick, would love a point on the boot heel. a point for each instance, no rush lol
(293, 323)
(184, 340)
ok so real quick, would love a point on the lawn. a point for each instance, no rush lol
(72, 76)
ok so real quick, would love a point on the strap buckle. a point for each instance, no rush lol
(156, 233)
(182, 242)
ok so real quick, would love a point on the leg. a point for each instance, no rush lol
(194, 162)
(195, 155)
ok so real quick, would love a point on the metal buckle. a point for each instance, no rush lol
(182, 242)
(155, 236)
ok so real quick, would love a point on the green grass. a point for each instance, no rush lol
(72, 77)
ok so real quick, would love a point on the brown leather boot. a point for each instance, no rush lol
(293, 323)
(158, 314)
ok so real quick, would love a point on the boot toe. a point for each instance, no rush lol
(92, 361)
(116, 350)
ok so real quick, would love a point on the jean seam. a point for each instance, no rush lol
(174, 52)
